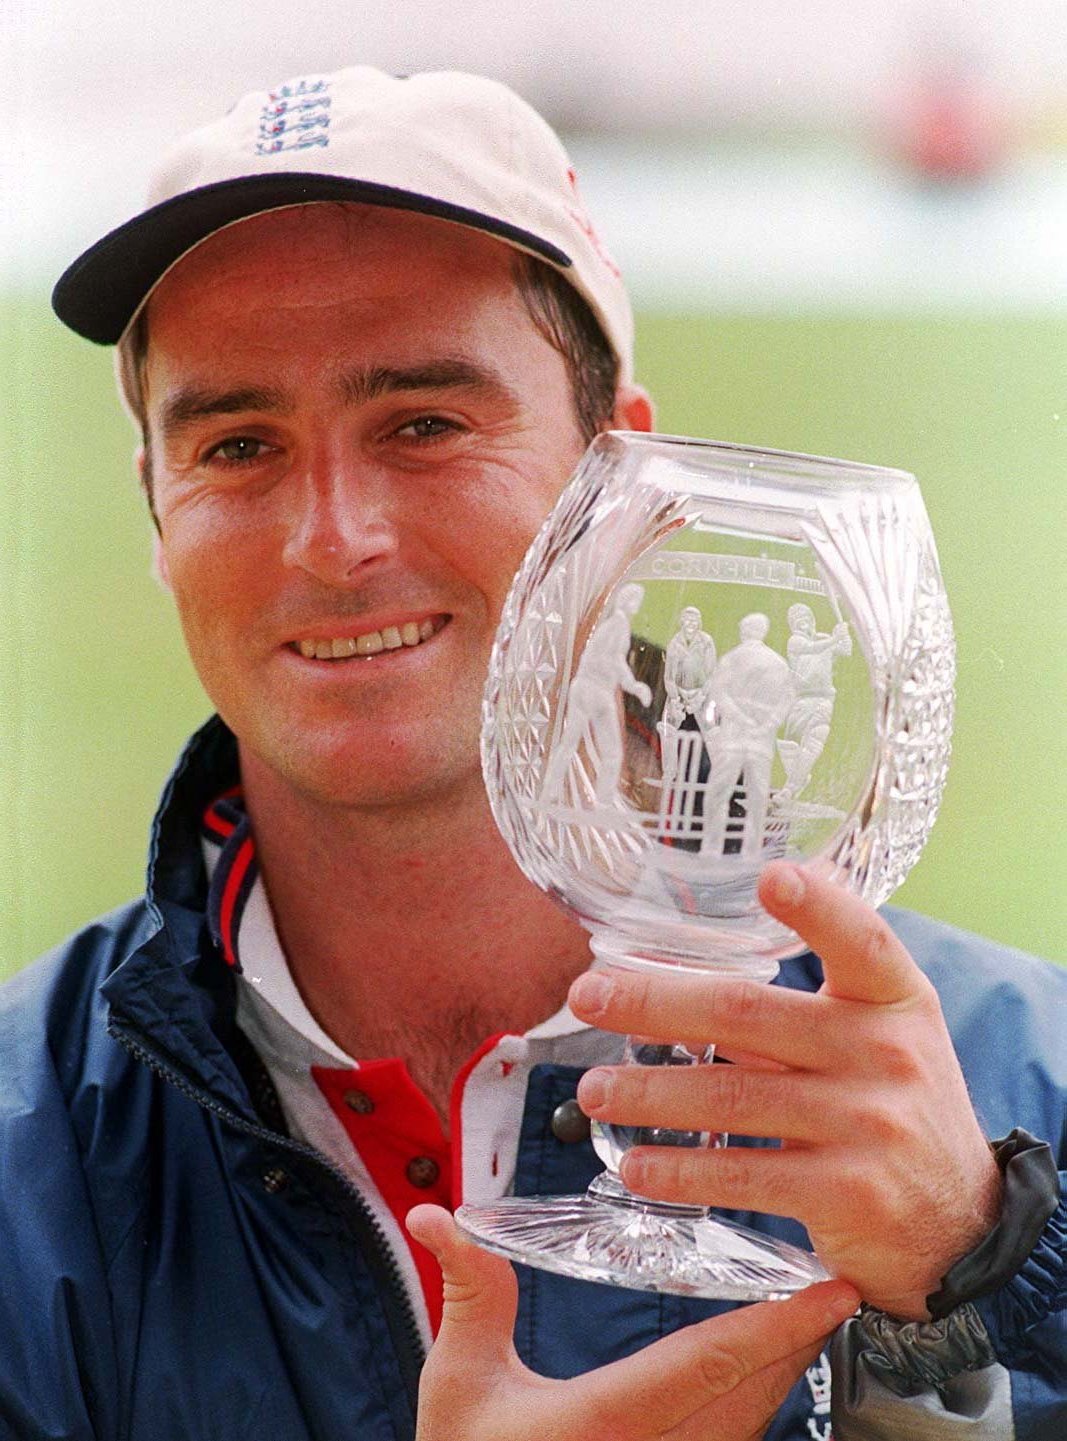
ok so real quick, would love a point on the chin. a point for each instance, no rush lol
(381, 770)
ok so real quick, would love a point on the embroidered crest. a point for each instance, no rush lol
(295, 117)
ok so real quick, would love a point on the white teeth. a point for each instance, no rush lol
(390, 637)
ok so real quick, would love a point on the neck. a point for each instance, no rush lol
(410, 930)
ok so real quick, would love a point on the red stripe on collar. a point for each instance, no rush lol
(226, 823)
(233, 898)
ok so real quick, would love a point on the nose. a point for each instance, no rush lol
(342, 522)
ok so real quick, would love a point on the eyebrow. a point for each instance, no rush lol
(451, 372)
(197, 402)
(355, 387)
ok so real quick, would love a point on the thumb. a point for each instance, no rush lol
(480, 1290)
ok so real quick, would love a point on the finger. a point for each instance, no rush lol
(862, 958)
(748, 1059)
(679, 1375)
(781, 1025)
(480, 1291)
(790, 1182)
(783, 1105)
(752, 1406)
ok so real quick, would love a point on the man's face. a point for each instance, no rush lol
(690, 623)
(355, 433)
(804, 623)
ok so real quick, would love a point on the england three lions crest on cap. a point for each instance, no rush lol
(295, 117)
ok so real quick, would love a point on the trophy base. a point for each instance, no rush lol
(611, 1236)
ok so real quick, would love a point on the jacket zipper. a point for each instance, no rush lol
(403, 1311)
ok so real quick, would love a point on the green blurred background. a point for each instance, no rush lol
(97, 695)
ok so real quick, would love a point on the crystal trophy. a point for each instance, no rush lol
(711, 657)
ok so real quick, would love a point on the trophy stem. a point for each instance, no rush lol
(609, 1189)
(611, 1142)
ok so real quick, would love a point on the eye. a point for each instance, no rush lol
(238, 449)
(427, 427)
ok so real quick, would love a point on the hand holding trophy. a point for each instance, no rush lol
(712, 657)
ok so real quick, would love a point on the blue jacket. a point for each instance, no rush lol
(175, 1267)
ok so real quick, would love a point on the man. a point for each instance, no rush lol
(358, 396)
(592, 713)
(687, 672)
(811, 655)
(753, 689)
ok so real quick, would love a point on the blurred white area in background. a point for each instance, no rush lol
(824, 228)
(768, 153)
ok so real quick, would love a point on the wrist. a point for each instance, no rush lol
(1029, 1195)
(910, 1354)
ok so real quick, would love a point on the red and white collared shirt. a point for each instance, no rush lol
(368, 1116)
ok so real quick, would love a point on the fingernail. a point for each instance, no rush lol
(591, 993)
(421, 1215)
(841, 1307)
(594, 1089)
(787, 885)
(634, 1172)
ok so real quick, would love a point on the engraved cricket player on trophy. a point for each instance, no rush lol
(687, 675)
(811, 656)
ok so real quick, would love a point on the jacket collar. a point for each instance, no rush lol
(207, 766)
(173, 997)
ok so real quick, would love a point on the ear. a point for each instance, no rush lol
(633, 409)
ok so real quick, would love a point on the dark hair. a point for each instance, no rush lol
(558, 312)
(562, 316)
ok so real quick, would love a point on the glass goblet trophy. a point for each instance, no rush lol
(711, 657)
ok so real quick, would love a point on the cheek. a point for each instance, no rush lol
(213, 581)
(491, 550)
(490, 524)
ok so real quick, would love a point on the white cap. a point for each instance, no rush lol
(458, 147)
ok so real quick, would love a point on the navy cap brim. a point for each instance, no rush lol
(99, 294)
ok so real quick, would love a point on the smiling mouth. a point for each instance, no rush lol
(372, 642)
